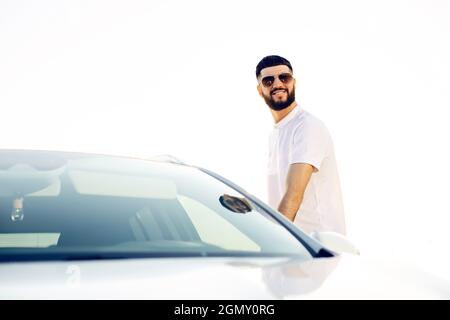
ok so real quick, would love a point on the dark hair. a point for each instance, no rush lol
(271, 61)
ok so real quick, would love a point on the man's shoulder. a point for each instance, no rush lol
(306, 119)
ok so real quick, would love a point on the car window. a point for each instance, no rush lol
(216, 230)
(104, 205)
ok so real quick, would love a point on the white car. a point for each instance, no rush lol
(86, 226)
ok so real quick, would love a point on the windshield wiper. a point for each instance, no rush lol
(87, 256)
(94, 256)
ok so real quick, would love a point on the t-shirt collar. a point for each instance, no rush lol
(288, 117)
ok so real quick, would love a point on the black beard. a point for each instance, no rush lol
(277, 106)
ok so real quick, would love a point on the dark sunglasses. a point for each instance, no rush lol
(269, 80)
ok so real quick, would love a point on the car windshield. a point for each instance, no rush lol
(55, 206)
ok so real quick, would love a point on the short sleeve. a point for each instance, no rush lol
(311, 143)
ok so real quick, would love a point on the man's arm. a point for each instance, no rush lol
(296, 182)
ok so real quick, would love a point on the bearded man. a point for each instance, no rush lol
(303, 180)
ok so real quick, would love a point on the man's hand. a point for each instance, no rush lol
(296, 182)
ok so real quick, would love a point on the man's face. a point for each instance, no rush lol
(277, 86)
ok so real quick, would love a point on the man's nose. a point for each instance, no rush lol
(277, 83)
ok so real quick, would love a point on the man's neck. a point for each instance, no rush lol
(279, 115)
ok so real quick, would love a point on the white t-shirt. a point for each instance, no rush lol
(302, 138)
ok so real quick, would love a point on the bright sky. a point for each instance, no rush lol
(144, 78)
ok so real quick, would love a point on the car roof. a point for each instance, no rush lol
(70, 155)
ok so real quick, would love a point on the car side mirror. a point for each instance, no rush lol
(335, 242)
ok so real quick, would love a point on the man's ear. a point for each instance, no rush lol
(258, 87)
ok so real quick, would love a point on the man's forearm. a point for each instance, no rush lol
(296, 182)
(289, 205)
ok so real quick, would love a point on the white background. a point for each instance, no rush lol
(144, 78)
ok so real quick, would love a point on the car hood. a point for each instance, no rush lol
(344, 277)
